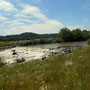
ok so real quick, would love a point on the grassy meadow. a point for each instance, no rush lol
(70, 72)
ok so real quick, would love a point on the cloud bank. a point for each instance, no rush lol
(19, 17)
(26, 18)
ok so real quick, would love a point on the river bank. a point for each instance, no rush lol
(68, 72)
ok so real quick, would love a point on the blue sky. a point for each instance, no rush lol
(43, 16)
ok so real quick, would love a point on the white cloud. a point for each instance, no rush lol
(3, 18)
(75, 27)
(85, 20)
(41, 24)
(37, 1)
(36, 28)
(86, 6)
(49, 27)
(28, 9)
(6, 6)
(22, 16)
(18, 27)
(82, 27)
(28, 19)
(32, 11)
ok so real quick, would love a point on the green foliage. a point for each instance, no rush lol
(74, 35)
(65, 34)
(53, 73)
(1, 63)
(26, 36)
(89, 42)
(29, 42)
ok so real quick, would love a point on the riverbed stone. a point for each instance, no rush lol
(30, 53)
(20, 60)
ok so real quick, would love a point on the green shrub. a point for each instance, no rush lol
(89, 42)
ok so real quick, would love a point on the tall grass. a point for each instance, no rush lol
(54, 73)
(2, 63)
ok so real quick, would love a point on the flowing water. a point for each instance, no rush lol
(56, 45)
(38, 52)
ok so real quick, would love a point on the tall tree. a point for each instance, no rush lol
(65, 34)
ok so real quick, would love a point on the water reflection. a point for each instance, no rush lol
(55, 45)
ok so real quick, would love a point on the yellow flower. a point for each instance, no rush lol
(43, 81)
(46, 86)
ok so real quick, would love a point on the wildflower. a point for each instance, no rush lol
(43, 82)
(46, 86)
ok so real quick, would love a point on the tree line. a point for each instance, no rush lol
(68, 35)
(64, 35)
(27, 36)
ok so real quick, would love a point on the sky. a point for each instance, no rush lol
(43, 16)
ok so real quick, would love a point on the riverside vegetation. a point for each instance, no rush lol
(29, 42)
(64, 35)
(70, 72)
(89, 42)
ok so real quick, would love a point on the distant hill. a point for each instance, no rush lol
(26, 36)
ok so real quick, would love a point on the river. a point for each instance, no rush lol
(37, 52)
(66, 44)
